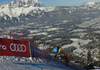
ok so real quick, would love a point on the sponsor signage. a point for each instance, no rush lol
(10, 47)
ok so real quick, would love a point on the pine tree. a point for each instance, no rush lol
(99, 55)
(89, 58)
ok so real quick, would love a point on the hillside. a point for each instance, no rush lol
(66, 26)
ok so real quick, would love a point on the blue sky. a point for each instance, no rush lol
(64, 2)
(53, 3)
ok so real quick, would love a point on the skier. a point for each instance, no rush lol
(56, 51)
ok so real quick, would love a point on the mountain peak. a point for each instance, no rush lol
(17, 3)
(21, 3)
(88, 4)
(92, 4)
(34, 3)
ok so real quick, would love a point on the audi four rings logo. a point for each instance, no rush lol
(18, 47)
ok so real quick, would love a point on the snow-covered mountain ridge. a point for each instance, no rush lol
(18, 7)
(92, 4)
(25, 3)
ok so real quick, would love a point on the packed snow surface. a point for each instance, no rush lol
(23, 63)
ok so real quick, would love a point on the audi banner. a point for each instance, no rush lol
(10, 47)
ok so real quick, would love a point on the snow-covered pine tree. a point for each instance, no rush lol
(89, 58)
(99, 54)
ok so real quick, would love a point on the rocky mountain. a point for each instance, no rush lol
(26, 3)
(47, 20)
(10, 12)
(18, 7)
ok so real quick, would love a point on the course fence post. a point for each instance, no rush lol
(23, 36)
(33, 46)
(10, 34)
(30, 49)
(49, 50)
(26, 37)
(36, 48)
(43, 49)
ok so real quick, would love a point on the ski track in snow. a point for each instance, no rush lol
(24, 63)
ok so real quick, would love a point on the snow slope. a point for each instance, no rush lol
(23, 63)
(76, 44)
